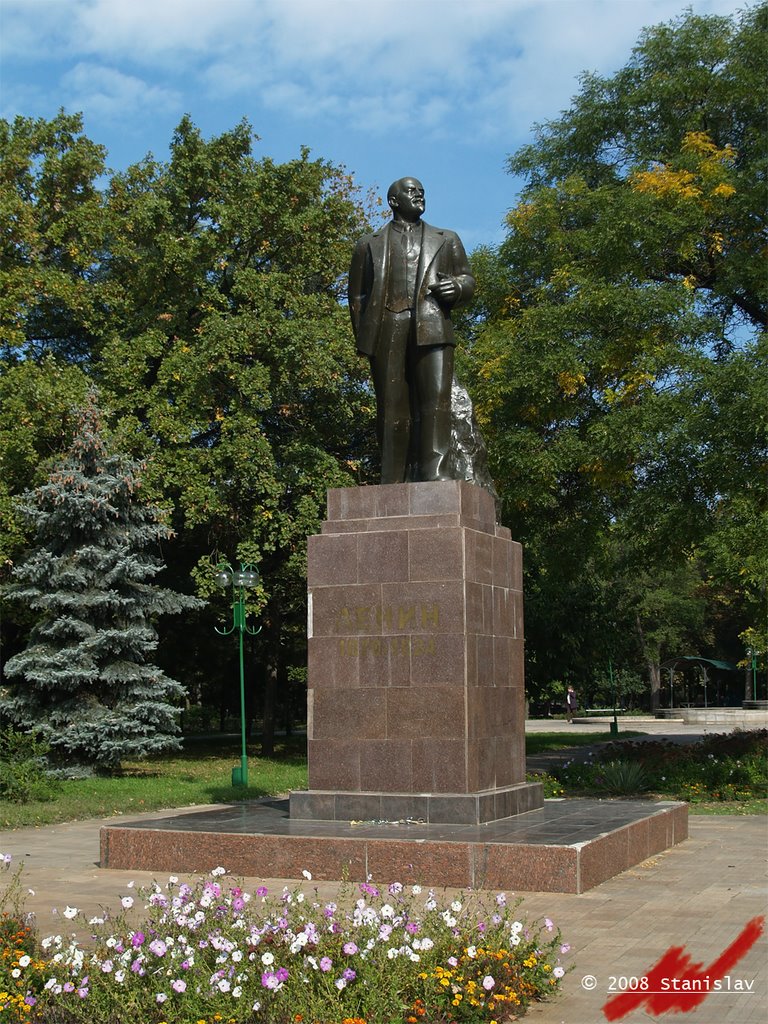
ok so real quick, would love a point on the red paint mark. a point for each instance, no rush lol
(671, 979)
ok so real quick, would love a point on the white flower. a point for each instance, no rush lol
(516, 927)
(127, 902)
(15, 973)
(416, 890)
(172, 879)
(267, 958)
(70, 912)
(25, 961)
(471, 952)
(456, 906)
(224, 985)
(558, 972)
(307, 875)
(340, 983)
(219, 871)
(237, 991)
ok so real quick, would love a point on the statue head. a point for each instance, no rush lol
(406, 199)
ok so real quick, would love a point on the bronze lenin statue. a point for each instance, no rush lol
(403, 283)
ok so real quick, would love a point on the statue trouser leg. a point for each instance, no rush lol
(432, 372)
(393, 411)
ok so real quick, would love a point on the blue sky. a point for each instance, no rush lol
(441, 89)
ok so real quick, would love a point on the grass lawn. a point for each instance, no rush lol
(201, 774)
(543, 742)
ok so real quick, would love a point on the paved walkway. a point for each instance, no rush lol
(699, 894)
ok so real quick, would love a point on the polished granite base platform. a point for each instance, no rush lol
(565, 846)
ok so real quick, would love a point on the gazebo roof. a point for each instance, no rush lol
(694, 659)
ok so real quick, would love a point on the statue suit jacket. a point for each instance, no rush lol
(441, 253)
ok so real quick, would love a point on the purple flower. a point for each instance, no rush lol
(261, 891)
(158, 947)
(325, 964)
(68, 986)
(350, 948)
(548, 924)
(413, 927)
(281, 973)
(179, 985)
(137, 938)
(348, 974)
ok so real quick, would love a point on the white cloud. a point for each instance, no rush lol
(493, 66)
(105, 92)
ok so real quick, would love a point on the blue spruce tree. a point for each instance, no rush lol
(86, 681)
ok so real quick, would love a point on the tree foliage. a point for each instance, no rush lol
(202, 295)
(618, 353)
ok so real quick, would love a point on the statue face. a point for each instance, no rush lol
(406, 197)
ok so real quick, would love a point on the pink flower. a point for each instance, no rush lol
(488, 983)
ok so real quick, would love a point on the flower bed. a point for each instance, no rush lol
(212, 952)
(729, 767)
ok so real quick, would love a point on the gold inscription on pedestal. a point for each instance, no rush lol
(416, 619)
(411, 617)
(378, 646)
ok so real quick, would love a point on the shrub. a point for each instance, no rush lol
(23, 774)
(621, 778)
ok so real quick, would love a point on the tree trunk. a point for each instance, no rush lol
(268, 726)
(654, 672)
(271, 679)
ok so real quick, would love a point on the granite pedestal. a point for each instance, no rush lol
(564, 846)
(416, 703)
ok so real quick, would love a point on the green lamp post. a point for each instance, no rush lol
(239, 580)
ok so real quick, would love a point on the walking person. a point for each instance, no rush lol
(570, 703)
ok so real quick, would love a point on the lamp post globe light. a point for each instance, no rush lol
(239, 580)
